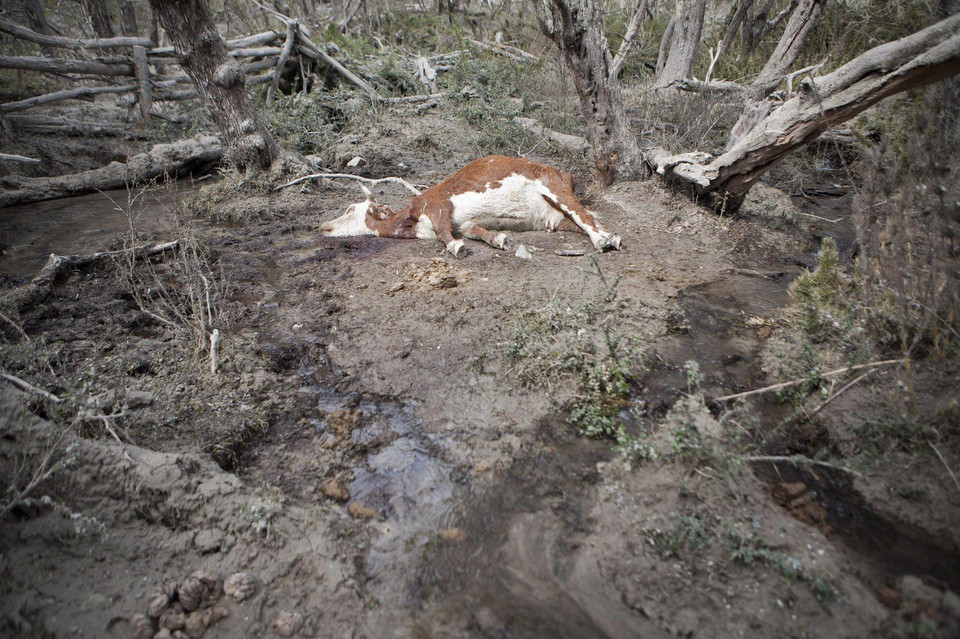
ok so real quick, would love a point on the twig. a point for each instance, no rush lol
(22, 332)
(18, 158)
(214, 351)
(106, 424)
(347, 176)
(837, 394)
(799, 459)
(825, 219)
(838, 371)
(944, 462)
(30, 388)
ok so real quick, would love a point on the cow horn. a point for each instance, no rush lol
(366, 191)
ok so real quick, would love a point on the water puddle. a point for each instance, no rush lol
(84, 224)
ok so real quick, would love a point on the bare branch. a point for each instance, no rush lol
(347, 176)
(638, 17)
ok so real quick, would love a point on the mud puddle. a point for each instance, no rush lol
(29, 233)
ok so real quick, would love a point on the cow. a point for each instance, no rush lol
(495, 193)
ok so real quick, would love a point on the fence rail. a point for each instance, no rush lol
(267, 51)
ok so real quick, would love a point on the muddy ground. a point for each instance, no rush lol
(374, 456)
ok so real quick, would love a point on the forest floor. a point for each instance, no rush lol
(386, 447)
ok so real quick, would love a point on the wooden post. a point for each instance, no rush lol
(292, 29)
(142, 71)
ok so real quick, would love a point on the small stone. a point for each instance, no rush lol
(358, 510)
(163, 633)
(288, 624)
(523, 253)
(239, 586)
(442, 281)
(764, 332)
(889, 597)
(334, 489)
(138, 399)
(469, 92)
(453, 534)
(396, 287)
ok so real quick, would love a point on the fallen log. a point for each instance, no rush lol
(61, 65)
(163, 159)
(29, 295)
(69, 94)
(925, 57)
(240, 43)
(573, 143)
(292, 29)
(50, 124)
(19, 31)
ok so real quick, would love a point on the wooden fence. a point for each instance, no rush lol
(149, 70)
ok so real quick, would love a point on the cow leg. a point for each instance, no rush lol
(476, 232)
(444, 227)
(566, 202)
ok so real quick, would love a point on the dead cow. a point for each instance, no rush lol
(495, 193)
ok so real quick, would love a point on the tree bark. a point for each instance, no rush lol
(779, 63)
(688, 27)
(219, 80)
(927, 56)
(577, 28)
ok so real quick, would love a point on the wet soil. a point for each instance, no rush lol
(369, 454)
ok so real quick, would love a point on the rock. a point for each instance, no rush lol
(288, 624)
(889, 597)
(764, 332)
(163, 633)
(523, 253)
(240, 586)
(396, 287)
(358, 510)
(334, 489)
(442, 281)
(138, 399)
(355, 161)
(469, 92)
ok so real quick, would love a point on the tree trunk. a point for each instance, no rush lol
(38, 22)
(219, 80)
(779, 63)
(577, 28)
(927, 56)
(665, 45)
(736, 19)
(688, 26)
(128, 18)
(100, 18)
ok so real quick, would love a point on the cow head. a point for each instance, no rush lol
(359, 219)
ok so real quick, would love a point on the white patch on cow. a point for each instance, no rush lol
(350, 224)
(516, 205)
(424, 228)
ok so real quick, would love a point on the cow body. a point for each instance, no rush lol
(495, 193)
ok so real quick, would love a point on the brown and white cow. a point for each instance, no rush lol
(495, 193)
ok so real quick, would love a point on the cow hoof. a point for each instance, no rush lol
(609, 243)
(502, 242)
(457, 249)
